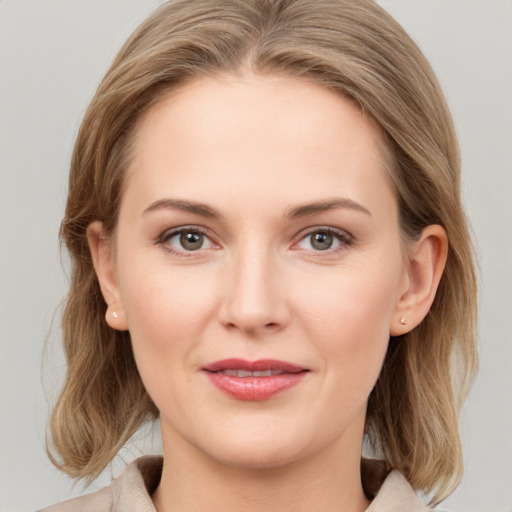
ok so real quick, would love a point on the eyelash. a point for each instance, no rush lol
(344, 238)
(168, 235)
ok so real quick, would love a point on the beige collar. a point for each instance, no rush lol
(131, 492)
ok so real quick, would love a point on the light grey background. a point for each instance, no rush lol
(52, 55)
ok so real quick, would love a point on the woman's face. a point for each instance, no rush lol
(257, 233)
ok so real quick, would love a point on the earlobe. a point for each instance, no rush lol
(115, 318)
(427, 259)
(104, 265)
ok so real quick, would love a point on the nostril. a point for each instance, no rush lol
(253, 329)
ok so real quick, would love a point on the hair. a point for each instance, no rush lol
(352, 47)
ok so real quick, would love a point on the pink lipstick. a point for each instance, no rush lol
(254, 380)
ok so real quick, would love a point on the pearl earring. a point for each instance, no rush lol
(403, 320)
(115, 314)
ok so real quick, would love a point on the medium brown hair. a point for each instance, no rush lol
(356, 49)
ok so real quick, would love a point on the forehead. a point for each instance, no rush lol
(224, 101)
(262, 134)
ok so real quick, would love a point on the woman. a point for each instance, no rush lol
(270, 255)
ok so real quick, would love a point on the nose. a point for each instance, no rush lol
(254, 299)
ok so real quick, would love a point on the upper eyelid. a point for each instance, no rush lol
(169, 233)
(343, 233)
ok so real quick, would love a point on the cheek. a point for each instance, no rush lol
(166, 309)
(349, 321)
(167, 315)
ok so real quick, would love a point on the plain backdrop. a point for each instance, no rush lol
(53, 54)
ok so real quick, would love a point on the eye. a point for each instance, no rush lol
(324, 239)
(186, 240)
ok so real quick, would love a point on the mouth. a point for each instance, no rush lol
(254, 380)
(247, 373)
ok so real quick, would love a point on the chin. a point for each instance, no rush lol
(261, 446)
(259, 456)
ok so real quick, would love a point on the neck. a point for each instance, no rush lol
(192, 481)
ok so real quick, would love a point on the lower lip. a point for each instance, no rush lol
(255, 388)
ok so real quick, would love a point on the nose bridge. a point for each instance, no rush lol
(254, 298)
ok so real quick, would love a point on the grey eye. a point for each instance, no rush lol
(321, 240)
(187, 240)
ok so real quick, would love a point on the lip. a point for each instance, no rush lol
(254, 388)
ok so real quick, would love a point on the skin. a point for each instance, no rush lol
(253, 149)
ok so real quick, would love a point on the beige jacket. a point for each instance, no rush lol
(131, 492)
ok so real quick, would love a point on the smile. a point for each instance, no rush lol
(256, 380)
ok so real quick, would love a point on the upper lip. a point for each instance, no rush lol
(253, 366)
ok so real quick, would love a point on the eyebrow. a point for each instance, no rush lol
(302, 210)
(306, 209)
(187, 206)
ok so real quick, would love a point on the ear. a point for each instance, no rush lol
(103, 257)
(424, 268)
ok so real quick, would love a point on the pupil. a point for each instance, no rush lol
(321, 241)
(191, 241)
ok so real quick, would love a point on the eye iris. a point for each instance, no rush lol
(321, 240)
(191, 241)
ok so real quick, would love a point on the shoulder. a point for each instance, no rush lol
(129, 492)
(396, 495)
(99, 501)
